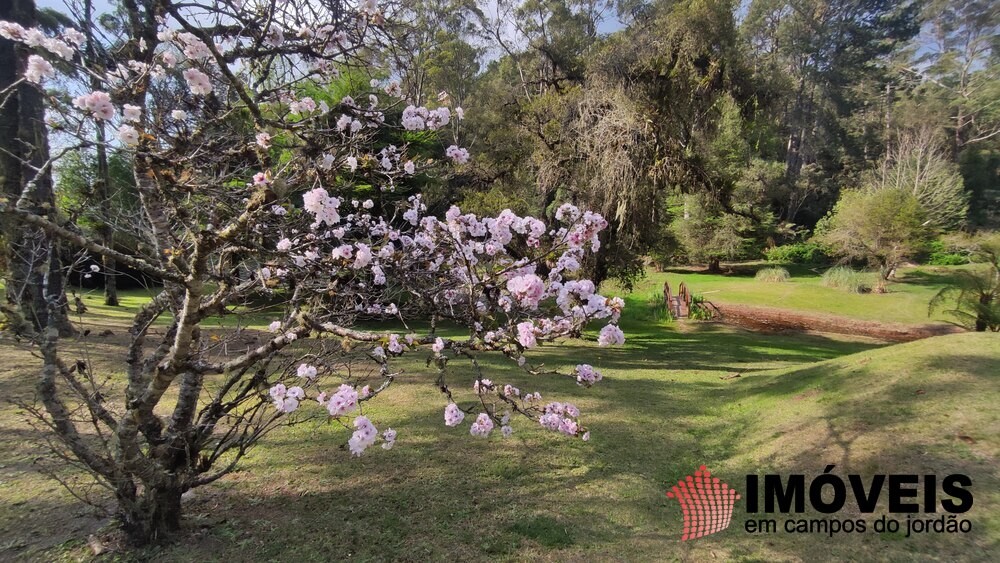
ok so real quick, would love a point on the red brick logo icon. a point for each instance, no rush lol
(706, 502)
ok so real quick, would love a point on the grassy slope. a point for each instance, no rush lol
(441, 494)
(662, 411)
(906, 301)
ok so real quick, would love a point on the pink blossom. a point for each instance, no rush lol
(306, 371)
(586, 375)
(438, 345)
(97, 103)
(38, 69)
(131, 112)
(611, 335)
(198, 82)
(343, 401)
(286, 400)
(363, 436)
(264, 140)
(343, 252)
(390, 439)
(318, 202)
(527, 290)
(395, 346)
(74, 36)
(457, 155)
(453, 415)
(526, 334)
(326, 161)
(128, 135)
(274, 37)
(482, 426)
(363, 256)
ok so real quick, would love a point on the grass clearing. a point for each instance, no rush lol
(905, 301)
(803, 401)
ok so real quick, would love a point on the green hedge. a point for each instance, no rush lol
(798, 253)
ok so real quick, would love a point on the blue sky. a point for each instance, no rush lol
(99, 5)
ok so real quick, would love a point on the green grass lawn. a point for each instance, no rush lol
(803, 401)
(906, 301)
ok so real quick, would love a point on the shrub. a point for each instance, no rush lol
(842, 277)
(883, 227)
(658, 309)
(939, 254)
(798, 253)
(974, 296)
(701, 309)
(772, 275)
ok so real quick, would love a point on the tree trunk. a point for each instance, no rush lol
(982, 320)
(10, 180)
(30, 255)
(714, 266)
(152, 516)
(793, 148)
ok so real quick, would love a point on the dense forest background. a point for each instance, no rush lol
(704, 130)
(710, 130)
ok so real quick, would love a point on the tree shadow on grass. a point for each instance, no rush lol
(443, 494)
(930, 277)
(708, 347)
(447, 495)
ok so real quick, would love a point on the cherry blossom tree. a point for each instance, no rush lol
(253, 192)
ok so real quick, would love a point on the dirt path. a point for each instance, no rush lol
(771, 319)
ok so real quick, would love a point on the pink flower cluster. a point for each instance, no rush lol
(319, 202)
(453, 416)
(343, 401)
(363, 436)
(306, 371)
(482, 426)
(527, 290)
(34, 37)
(199, 82)
(561, 417)
(611, 335)
(286, 400)
(586, 375)
(419, 118)
(457, 154)
(38, 69)
(98, 104)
